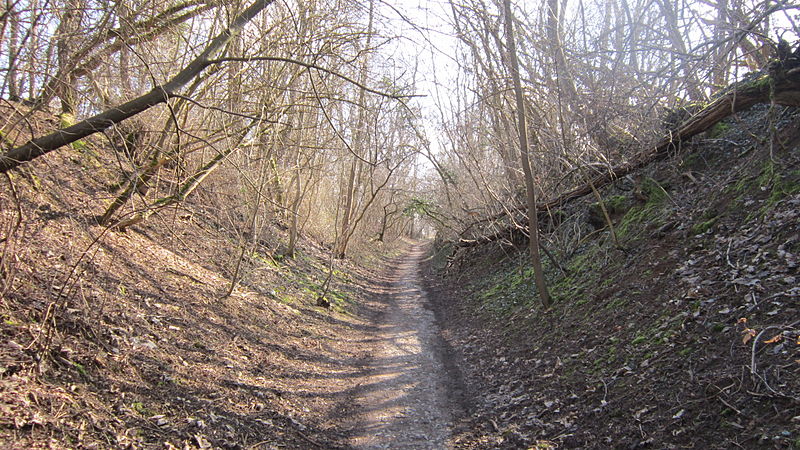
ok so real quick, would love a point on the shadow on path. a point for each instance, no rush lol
(403, 401)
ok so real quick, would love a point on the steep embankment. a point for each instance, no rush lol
(128, 339)
(687, 335)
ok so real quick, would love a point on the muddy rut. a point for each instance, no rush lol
(403, 401)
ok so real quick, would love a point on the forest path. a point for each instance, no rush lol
(402, 402)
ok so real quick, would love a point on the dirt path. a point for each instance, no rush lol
(402, 401)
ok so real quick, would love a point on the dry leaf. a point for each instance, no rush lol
(774, 339)
(748, 334)
(742, 320)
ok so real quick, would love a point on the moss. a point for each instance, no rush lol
(506, 291)
(686, 351)
(783, 186)
(612, 355)
(702, 227)
(639, 340)
(66, 120)
(655, 192)
(718, 130)
(615, 204)
(140, 408)
(780, 186)
(740, 187)
(616, 303)
(761, 82)
(691, 161)
(651, 212)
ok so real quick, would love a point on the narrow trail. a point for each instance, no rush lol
(402, 401)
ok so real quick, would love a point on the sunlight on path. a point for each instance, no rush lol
(403, 400)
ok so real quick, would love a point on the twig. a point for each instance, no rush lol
(718, 397)
(308, 65)
(753, 367)
(728, 255)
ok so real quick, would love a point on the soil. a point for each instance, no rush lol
(406, 398)
(130, 340)
(687, 337)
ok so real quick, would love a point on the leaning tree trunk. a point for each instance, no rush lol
(781, 87)
(160, 94)
(533, 218)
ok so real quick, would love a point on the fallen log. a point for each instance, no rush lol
(779, 86)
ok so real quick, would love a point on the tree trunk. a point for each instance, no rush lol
(360, 132)
(781, 87)
(160, 94)
(13, 51)
(533, 218)
(66, 35)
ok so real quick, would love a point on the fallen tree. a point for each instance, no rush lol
(780, 85)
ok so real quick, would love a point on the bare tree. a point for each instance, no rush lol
(533, 217)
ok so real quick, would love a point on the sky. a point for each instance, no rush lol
(426, 45)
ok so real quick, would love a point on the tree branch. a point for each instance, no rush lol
(160, 94)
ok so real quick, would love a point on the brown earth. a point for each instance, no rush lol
(408, 398)
(128, 339)
(687, 337)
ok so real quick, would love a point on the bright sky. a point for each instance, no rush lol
(425, 46)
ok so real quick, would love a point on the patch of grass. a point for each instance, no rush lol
(510, 288)
(141, 409)
(639, 340)
(617, 302)
(269, 260)
(617, 203)
(702, 227)
(686, 351)
(80, 368)
(650, 212)
(780, 185)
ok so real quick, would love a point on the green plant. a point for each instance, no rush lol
(616, 302)
(709, 219)
(80, 368)
(650, 212)
(719, 129)
(140, 408)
